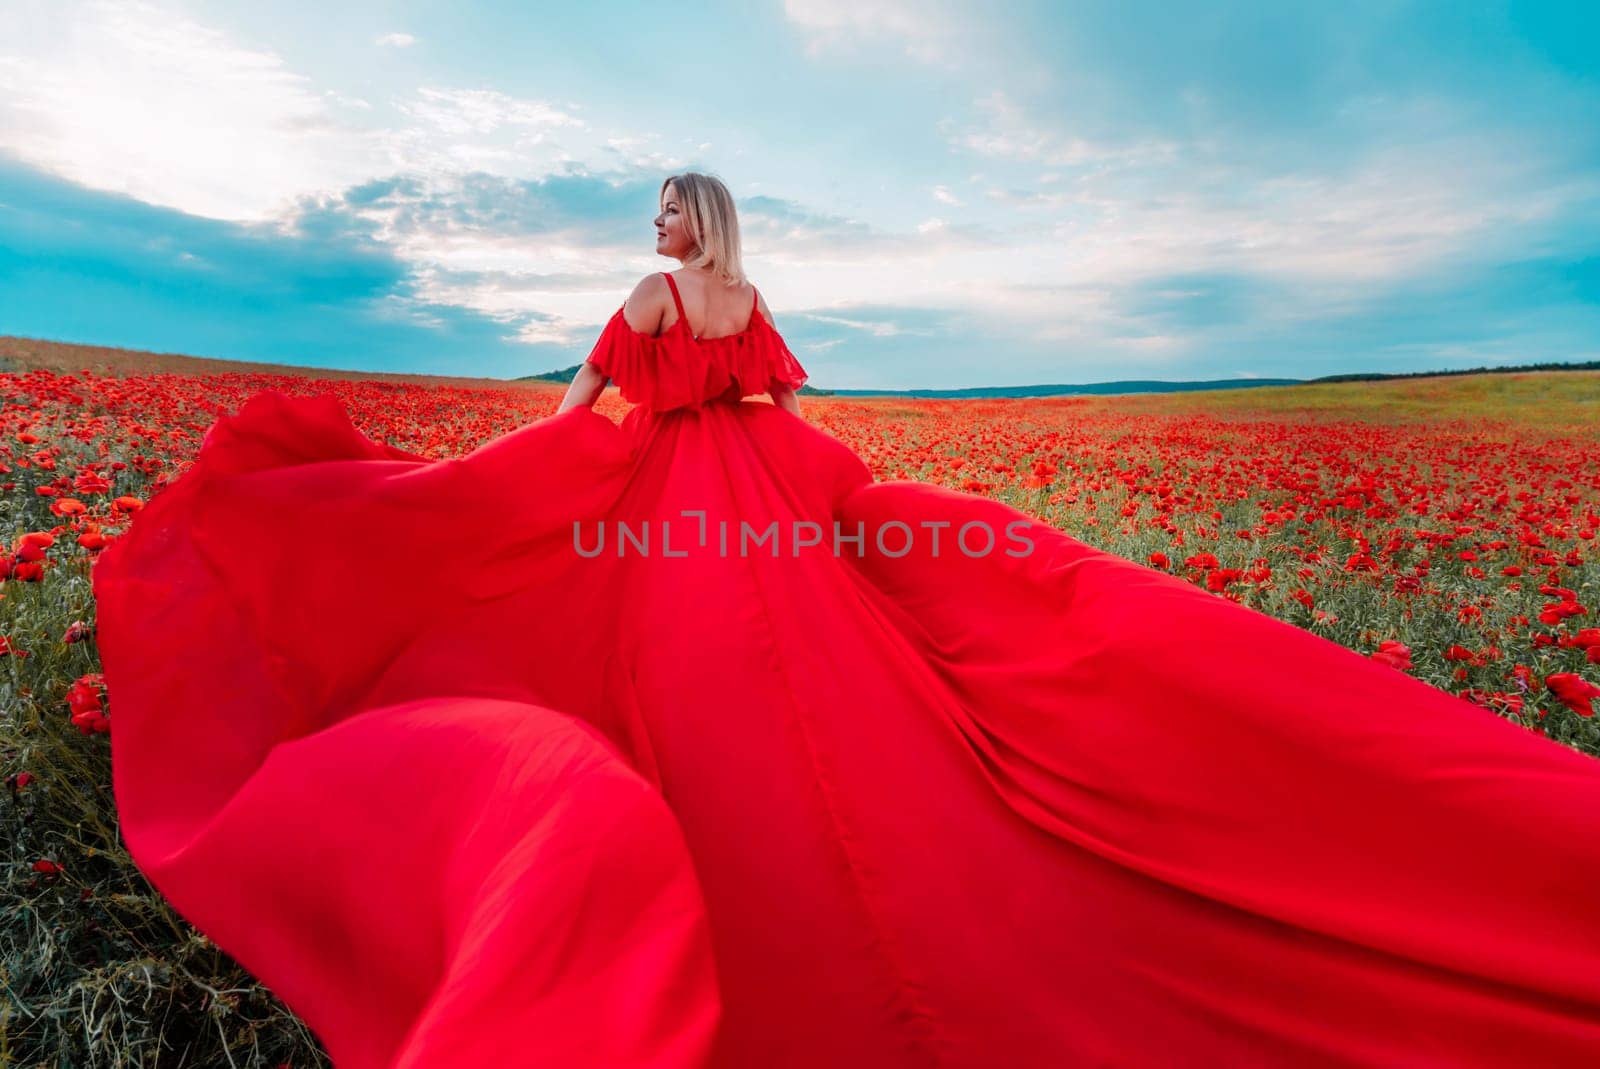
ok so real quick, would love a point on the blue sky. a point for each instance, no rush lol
(932, 194)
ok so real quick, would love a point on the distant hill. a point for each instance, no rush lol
(1588, 365)
(565, 375)
(1131, 385)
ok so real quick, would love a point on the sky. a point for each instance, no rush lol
(932, 194)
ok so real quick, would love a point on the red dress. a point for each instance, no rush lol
(464, 793)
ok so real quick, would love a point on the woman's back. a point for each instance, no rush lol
(711, 308)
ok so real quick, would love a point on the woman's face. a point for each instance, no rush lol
(672, 233)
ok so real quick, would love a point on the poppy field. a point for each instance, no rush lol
(1447, 527)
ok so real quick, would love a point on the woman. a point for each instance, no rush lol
(700, 229)
(685, 743)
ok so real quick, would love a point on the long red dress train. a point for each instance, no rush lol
(464, 789)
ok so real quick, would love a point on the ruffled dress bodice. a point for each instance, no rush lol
(678, 370)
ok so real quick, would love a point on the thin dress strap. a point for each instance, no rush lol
(673, 285)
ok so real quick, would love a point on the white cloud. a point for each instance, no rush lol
(395, 40)
(1002, 129)
(453, 131)
(1433, 189)
(876, 328)
(934, 33)
(482, 111)
(137, 99)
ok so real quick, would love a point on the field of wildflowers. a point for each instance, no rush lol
(1446, 527)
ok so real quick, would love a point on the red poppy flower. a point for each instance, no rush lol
(1573, 691)
(1394, 654)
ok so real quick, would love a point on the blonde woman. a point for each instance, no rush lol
(707, 304)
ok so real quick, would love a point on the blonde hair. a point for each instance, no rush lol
(713, 223)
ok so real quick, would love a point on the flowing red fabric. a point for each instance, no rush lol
(464, 791)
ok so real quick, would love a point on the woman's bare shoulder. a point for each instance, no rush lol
(645, 308)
